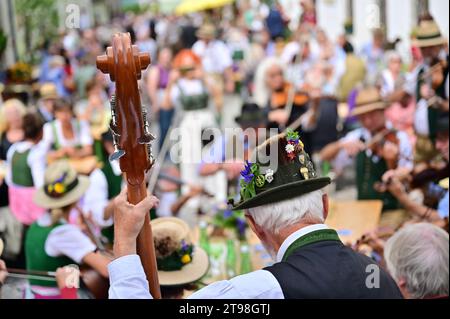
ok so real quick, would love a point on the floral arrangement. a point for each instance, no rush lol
(57, 188)
(172, 256)
(294, 145)
(253, 178)
(20, 72)
(234, 220)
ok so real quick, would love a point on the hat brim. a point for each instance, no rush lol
(43, 200)
(368, 108)
(50, 97)
(190, 273)
(429, 42)
(284, 192)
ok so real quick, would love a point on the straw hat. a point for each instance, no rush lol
(368, 100)
(428, 34)
(62, 186)
(207, 31)
(179, 262)
(48, 91)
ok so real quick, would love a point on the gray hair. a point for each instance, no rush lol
(261, 93)
(274, 217)
(418, 254)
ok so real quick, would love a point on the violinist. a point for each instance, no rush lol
(284, 104)
(377, 150)
(420, 211)
(52, 242)
(430, 88)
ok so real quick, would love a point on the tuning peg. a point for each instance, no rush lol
(117, 154)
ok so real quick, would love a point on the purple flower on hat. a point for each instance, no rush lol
(247, 172)
(228, 213)
(184, 246)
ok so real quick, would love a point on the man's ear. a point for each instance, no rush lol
(325, 204)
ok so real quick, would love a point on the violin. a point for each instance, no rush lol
(131, 136)
(378, 141)
(280, 99)
(435, 74)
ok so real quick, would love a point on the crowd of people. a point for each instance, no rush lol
(368, 111)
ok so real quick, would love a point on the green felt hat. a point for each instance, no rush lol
(289, 173)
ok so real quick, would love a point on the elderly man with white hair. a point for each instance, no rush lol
(417, 258)
(286, 207)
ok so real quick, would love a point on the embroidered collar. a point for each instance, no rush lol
(305, 236)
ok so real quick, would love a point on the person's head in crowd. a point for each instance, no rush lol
(394, 62)
(62, 190)
(48, 93)
(429, 39)
(64, 111)
(33, 127)
(274, 76)
(378, 38)
(11, 115)
(417, 258)
(180, 262)
(207, 32)
(165, 56)
(187, 63)
(291, 198)
(267, 79)
(442, 130)
(369, 109)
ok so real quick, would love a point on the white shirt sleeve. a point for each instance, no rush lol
(96, 198)
(37, 162)
(406, 151)
(48, 138)
(127, 281)
(68, 240)
(9, 155)
(85, 134)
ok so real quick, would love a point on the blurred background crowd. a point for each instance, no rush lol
(370, 104)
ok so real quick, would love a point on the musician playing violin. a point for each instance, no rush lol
(377, 150)
(420, 211)
(430, 87)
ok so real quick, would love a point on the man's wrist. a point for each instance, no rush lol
(124, 247)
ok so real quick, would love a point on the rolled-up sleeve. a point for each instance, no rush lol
(127, 279)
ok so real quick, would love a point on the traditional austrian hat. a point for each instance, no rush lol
(179, 261)
(280, 170)
(368, 100)
(251, 115)
(428, 34)
(62, 186)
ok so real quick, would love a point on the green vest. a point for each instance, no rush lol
(369, 170)
(37, 258)
(57, 143)
(193, 102)
(21, 172)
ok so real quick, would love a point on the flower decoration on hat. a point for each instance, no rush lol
(294, 145)
(251, 179)
(171, 255)
(59, 187)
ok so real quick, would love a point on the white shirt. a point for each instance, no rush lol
(82, 134)
(215, 55)
(66, 240)
(127, 278)
(36, 161)
(95, 199)
(405, 149)
(186, 87)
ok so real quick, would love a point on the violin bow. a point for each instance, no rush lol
(131, 136)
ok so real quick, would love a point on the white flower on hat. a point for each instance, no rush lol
(269, 176)
(290, 148)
